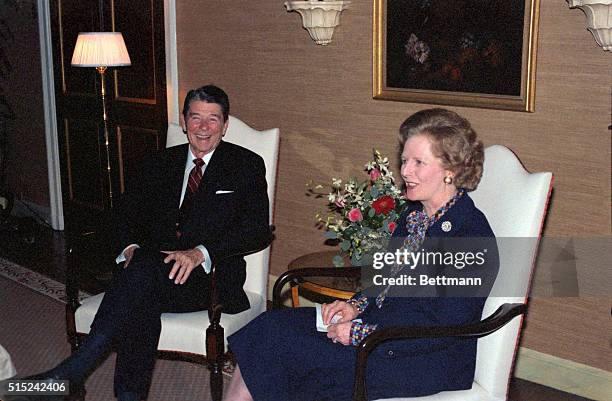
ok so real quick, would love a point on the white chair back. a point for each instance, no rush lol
(265, 144)
(514, 202)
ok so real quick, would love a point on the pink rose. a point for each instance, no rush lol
(392, 227)
(375, 174)
(355, 215)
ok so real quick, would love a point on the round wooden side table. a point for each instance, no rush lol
(336, 287)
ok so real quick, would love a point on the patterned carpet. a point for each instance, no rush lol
(33, 332)
(35, 281)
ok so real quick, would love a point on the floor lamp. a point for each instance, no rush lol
(102, 50)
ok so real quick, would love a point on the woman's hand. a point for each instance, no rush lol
(340, 332)
(344, 310)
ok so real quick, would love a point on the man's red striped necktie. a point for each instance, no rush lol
(195, 177)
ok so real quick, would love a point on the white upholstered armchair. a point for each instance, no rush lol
(200, 336)
(515, 203)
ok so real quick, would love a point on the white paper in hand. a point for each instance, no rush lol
(323, 327)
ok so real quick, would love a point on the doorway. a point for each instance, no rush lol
(136, 102)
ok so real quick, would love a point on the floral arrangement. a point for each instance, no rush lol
(361, 214)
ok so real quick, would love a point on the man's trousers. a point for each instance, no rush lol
(130, 314)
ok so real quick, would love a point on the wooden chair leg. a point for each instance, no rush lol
(214, 354)
(295, 296)
(77, 391)
(216, 383)
(71, 328)
(72, 294)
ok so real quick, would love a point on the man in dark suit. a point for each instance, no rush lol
(190, 206)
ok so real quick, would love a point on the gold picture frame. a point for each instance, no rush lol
(460, 53)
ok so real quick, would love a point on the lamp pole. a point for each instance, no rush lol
(102, 71)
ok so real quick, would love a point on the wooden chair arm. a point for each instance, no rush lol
(215, 334)
(494, 322)
(214, 312)
(296, 276)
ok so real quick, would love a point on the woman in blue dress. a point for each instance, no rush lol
(282, 357)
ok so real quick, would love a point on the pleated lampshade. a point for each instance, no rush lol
(100, 49)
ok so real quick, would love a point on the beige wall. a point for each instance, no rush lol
(321, 98)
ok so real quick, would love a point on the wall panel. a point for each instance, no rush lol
(84, 162)
(142, 142)
(74, 16)
(134, 19)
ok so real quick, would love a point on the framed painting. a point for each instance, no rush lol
(456, 52)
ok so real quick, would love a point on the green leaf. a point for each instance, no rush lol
(331, 234)
(345, 245)
(371, 212)
(350, 231)
(367, 260)
(338, 261)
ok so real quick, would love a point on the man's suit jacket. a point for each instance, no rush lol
(229, 213)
